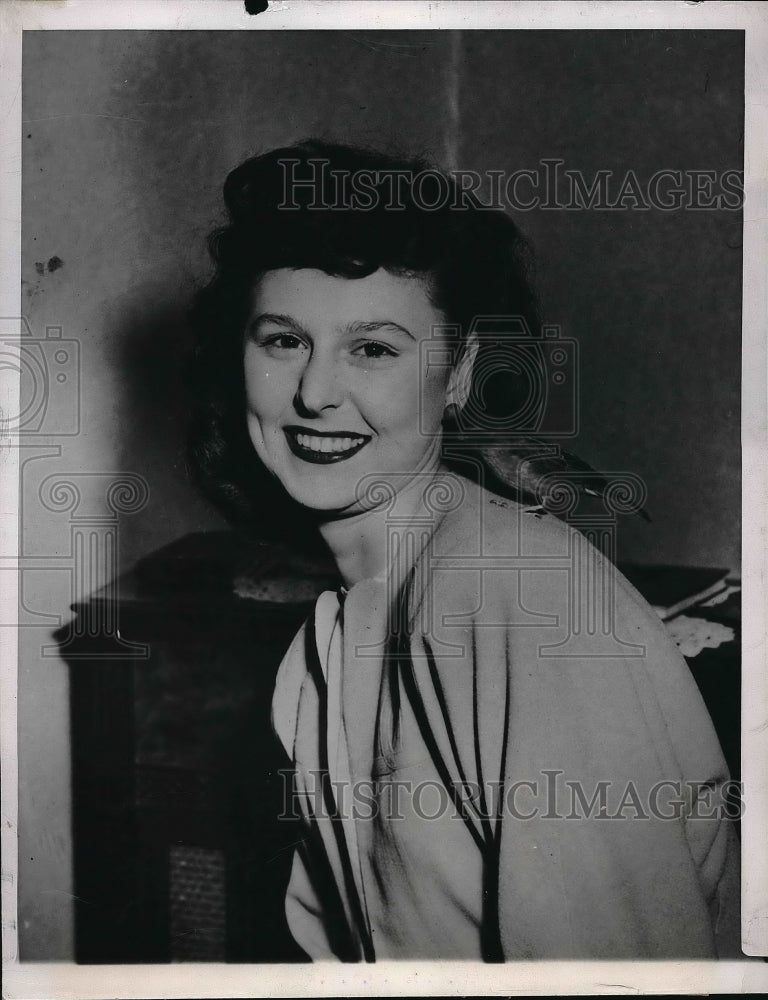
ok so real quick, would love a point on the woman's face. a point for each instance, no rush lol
(337, 386)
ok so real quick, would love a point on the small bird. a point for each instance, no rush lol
(533, 469)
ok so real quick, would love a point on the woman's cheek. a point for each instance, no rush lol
(434, 388)
(265, 388)
(416, 400)
(256, 433)
(379, 396)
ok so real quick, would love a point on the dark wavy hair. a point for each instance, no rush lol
(362, 211)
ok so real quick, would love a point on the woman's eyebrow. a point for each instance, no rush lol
(374, 326)
(279, 319)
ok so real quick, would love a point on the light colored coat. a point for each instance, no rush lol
(440, 728)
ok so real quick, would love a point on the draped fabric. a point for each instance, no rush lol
(499, 754)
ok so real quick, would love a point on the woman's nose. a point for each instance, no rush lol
(319, 387)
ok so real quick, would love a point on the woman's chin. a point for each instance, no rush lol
(315, 498)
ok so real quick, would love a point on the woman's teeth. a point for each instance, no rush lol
(326, 444)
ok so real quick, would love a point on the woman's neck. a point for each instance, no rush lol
(360, 543)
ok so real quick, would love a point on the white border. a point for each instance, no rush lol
(195, 980)
(754, 714)
(191, 980)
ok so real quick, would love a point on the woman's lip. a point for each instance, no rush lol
(318, 457)
(311, 432)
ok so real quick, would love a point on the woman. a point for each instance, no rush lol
(481, 773)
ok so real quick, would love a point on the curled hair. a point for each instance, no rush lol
(348, 212)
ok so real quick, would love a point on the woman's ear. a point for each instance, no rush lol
(460, 379)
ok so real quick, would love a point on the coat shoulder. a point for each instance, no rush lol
(490, 541)
(478, 521)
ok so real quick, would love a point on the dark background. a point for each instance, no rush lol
(127, 139)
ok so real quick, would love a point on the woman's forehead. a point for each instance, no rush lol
(322, 301)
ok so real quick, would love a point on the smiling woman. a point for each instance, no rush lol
(484, 690)
(296, 238)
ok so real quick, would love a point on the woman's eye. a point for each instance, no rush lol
(283, 341)
(373, 349)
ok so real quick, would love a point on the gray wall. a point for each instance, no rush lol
(127, 138)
